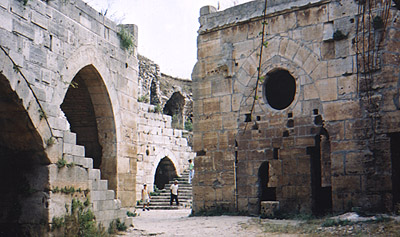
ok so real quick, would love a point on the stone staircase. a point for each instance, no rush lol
(104, 205)
(162, 197)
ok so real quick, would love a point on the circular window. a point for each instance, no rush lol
(279, 89)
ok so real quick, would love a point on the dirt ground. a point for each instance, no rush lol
(178, 223)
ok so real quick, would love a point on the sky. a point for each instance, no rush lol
(167, 29)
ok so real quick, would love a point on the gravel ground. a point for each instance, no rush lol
(178, 223)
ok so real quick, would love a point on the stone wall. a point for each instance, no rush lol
(322, 136)
(159, 88)
(158, 140)
(50, 48)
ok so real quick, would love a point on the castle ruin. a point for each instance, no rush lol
(322, 133)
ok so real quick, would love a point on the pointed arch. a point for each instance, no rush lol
(24, 174)
(89, 111)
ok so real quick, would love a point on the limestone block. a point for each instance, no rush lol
(229, 121)
(354, 162)
(327, 89)
(341, 110)
(269, 208)
(236, 101)
(243, 48)
(94, 174)
(221, 87)
(320, 72)
(69, 137)
(347, 85)
(168, 132)
(209, 48)
(291, 49)
(4, 4)
(312, 33)
(198, 107)
(282, 23)
(211, 105)
(341, 66)
(110, 194)
(123, 165)
(312, 15)
(6, 21)
(352, 183)
(341, 9)
(178, 132)
(301, 56)
(305, 141)
(39, 20)
(98, 195)
(310, 92)
(58, 123)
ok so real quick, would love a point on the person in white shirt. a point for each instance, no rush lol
(145, 198)
(174, 193)
(191, 170)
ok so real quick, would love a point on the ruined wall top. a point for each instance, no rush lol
(76, 10)
(211, 19)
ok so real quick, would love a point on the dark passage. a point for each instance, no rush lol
(395, 158)
(165, 172)
(321, 188)
(265, 193)
(78, 109)
(23, 169)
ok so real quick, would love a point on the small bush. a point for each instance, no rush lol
(131, 214)
(126, 39)
(157, 108)
(79, 221)
(61, 163)
(143, 99)
(188, 125)
(116, 225)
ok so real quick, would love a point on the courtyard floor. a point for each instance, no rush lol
(178, 223)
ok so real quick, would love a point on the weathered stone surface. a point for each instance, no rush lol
(331, 137)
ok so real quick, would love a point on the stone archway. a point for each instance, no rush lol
(174, 107)
(88, 109)
(165, 172)
(24, 175)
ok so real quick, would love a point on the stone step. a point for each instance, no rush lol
(104, 205)
(162, 198)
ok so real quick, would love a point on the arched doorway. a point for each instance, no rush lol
(265, 193)
(165, 172)
(23, 168)
(174, 107)
(88, 109)
(321, 187)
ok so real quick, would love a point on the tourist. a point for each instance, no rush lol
(191, 171)
(146, 198)
(174, 193)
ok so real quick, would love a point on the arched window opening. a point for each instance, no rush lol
(165, 173)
